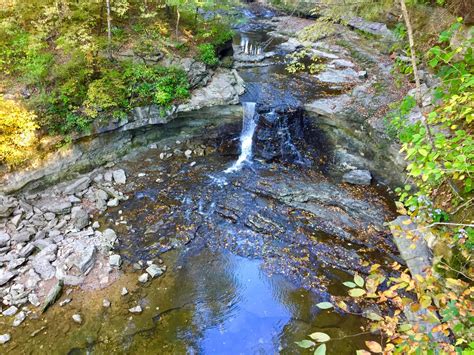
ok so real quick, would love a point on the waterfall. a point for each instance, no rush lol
(246, 137)
(249, 48)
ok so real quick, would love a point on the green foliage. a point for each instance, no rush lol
(207, 54)
(440, 153)
(155, 84)
(449, 154)
(107, 94)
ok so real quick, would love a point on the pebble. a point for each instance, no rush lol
(77, 318)
(136, 309)
(10, 311)
(143, 278)
(96, 225)
(154, 270)
(115, 260)
(106, 303)
(4, 338)
(113, 203)
(19, 318)
(65, 302)
(124, 291)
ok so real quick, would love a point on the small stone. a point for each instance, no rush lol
(154, 270)
(141, 174)
(33, 299)
(49, 216)
(106, 303)
(362, 74)
(77, 318)
(143, 278)
(10, 311)
(137, 266)
(19, 318)
(136, 309)
(188, 153)
(4, 338)
(115, 260)
(108, 176)
(26, 250)
(4, 239)
(192, 164)
(113, 202)
(96, 225)
(5, 276)
(16, 219)
(124, 291)
(79, 217)
(119, 176)
(65, 302)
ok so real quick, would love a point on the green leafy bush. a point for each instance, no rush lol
(107, 94)
(155, 84)
(207, 54)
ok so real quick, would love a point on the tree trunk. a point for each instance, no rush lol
(109, 29)
(178, 15)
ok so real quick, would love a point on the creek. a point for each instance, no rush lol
(254, 234)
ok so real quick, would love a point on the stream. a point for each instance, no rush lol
(254, 233)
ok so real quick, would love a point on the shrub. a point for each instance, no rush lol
(17, 133)
(155, 84)
(107, 94)
(207, 54)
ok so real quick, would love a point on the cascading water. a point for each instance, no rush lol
(249, 48)
(246, 137)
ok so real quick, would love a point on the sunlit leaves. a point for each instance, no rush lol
(320, 350)
(305, 344)
(356, 292)
(320, 337)
(324, 305)
(374, 347)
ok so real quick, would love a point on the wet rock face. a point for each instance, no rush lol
(278, 133)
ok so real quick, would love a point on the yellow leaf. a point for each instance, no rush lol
(374, 346)
(425, 301)
(356, 292)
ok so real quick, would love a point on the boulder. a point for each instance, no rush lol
(84, 257)
(4, 239)
(42, 262)
(78, 185)
(119, 176)
(330, 106)
(6, 207)
(55, 205)
(79, 217)
(338, 76)
(5, 276)
(43, 267)
(358, 177)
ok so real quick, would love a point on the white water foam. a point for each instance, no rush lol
(246, 137)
